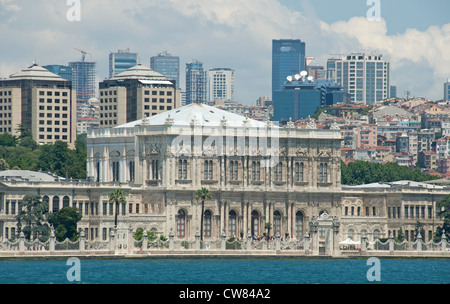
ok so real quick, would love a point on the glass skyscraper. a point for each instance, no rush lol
(121, 61)
(196, 82)
(167, 65)
(288, 58)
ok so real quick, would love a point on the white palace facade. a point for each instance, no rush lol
(256, 172)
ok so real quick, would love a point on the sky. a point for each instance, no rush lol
(414, 35)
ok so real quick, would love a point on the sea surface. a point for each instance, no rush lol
(226, 271)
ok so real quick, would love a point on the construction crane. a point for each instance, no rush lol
(83, 56)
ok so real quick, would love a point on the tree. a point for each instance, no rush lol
(443, 211)
(32, 218)
(418, 228)
(401, 236)
(117, 196)
(202, 194)
(8, 140)
(65, 223)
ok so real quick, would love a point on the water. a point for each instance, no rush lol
(226, 271)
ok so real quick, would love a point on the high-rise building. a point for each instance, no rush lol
(83, 79)
(167, 65)
(134, 94)
(62, 70)
(43, 102)
(196, 82)
(314, 69)
(288, 58)
(221, 84)
(365, 76)
(447, 90)
(121, 61)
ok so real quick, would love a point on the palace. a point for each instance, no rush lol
(257, 173)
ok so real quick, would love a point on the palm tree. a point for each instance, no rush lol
(202, 194)
(117, 196)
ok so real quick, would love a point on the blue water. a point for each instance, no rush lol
(225, 271)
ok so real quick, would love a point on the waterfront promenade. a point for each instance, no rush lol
(124, 247)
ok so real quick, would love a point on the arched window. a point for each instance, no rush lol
(299, 225)
(207, 223)
(232, 223)
(66, 201)
(256, 167)
(255, 223)
(55, 204)
(277, 223)
(181, 223)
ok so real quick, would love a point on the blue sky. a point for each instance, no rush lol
(414, 35)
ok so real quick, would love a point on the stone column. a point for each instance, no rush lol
(145, 241)
(82, 241)
(52, 240)
(21, 242)
(197, 244)
(222, 215)
(419, 242)
(391, 242)
(112, 243)
(278, 242)
(307, 244)
(443, 241)
(171, 240)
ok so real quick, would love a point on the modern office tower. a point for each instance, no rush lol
(83, 79)
(221, 84)
(62, 70)
(298, 99)
(447, 90)
(121, 61)
(134, 94)
(331, 92)
(365, 76)
(196, 82)
(167, 65)
(288, 58)
(41, 101)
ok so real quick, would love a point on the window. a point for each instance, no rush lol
(155, 169)
(298, 171)
(232, 223)
(323, 172)
(255, 223)
(278, 170)
(131, 170)
(182, 169)
(277, 223)
(233, 170)
(181, 223)
(207, 224)
(299, 225)
(115, 171)
(55, 203)
(256, 167)
(208, 170)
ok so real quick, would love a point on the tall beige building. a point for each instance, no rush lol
(134, 94)
(40, 100)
